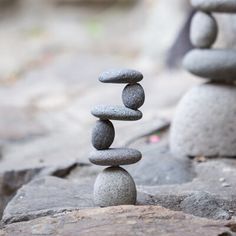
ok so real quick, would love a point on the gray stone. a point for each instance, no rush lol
(114, 186)
(204, 123)
(47, 196)
(215, 64)
(203, 31)
(103, 134)
(115, 112)
(133, 96)
(215, 5)
(126, 76)
(121, 220)
(115, 156)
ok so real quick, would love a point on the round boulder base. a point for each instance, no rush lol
(103, 134)
(205, 122)
(115, 157)
(113, 187)
(204, 30)
(215, 5)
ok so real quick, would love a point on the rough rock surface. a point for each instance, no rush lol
(113, 112)
(215, 5)
(114, 186)
(103, 134)
(115, 156)
(121, 220)
(203, 31)
(204, 123)
(214, 64)
(126, 76)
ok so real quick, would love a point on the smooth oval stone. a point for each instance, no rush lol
(215, 5)
(115, 157)
(133, 96)
(215, 64)
(121, 76)
(203, 31)
(113, 187)
(103, 134)
(112, 112)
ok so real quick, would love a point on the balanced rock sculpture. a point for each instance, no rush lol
(205, 120)
(115, 186)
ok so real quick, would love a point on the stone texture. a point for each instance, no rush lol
(121, 220)
(215, 5)
(133, 96)
(114, 186)
(115, 157)
(126, 76)
(46, 196)
(103, 134)
(204, 123)
(215, 64)
(115, 112)
(203, 30)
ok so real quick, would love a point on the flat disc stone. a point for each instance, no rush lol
(115, 157)
(114, 112)
(203, 31)
(119, 76)
(103, 134)
(215, 5)
(113, 187)
(214, 64)
(133, 96)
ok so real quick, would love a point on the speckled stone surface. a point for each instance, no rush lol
(215, 5)
(121, 76)
(115, 156)
(203, 31)
(113, 187)
(133, 96)
(103, 134)
(204, 123)
(116, 112)
(215, 64)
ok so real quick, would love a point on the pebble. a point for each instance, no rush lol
(121, 76)
(215, 64)
(115, 157)
(113, 187)
(215, 5)
(133, 96)
(115, 112)
(103, 134)
(203, 31)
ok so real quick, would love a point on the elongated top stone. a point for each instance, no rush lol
(120, 76)
(215, 5)
(115, 112)
(115, 156)
(214, 64)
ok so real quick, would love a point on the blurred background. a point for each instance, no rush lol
(51, 54)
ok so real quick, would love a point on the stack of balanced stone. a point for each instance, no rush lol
(205, 121)
(115, 186)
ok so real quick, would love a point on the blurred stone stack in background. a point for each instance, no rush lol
(205, 124)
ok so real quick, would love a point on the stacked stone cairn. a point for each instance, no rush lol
(205, 120)
(115, 186)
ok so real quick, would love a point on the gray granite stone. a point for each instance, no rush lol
(204, 123)
(133, 96)
(215, 64)
(103, 134)
(115, 112)
(115, 157)
(126, 76)
(215, 5)
(114, 186)
(203, 31)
